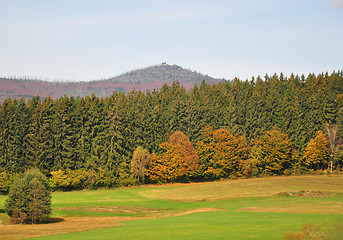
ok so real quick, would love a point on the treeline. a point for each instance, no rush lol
(234, 128)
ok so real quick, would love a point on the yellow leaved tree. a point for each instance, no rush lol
(316, 154)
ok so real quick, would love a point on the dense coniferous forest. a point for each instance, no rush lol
(263, 126)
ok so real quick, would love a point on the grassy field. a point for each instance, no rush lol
(233, 209)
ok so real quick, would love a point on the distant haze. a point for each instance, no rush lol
(149, 78)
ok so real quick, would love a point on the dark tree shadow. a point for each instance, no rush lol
(54, 220)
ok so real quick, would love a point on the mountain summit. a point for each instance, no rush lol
(142, 79)
(164, 73)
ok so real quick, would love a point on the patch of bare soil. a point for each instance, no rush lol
(324, 207)
(114, 209)
(197, 210)
(80, 224)
(69, 224)
(305, 194)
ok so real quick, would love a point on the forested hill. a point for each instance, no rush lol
(269, 126)
(165, 73)
(142, 79)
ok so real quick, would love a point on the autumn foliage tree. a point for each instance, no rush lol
(316, 154)
(273, 153)
(178, 162)
(88, 142)
(221, 153)
(139, 163)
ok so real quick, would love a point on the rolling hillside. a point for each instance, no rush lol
(143, 79)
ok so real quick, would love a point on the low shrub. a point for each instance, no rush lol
(313, 232)
(310, 232)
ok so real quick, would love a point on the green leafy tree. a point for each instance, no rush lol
(38, 209)
(29, 199)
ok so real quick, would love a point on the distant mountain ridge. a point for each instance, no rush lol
(142, 79)
(163, 72)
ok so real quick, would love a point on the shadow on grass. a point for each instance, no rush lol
(54, 220)
(44, 222)
(2, 210)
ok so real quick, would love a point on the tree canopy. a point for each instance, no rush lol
(230, 129)
(29, 199)
(178, 162)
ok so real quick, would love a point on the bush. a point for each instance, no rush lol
(68, 180)
(250, 169)
(310, 232)
(337, 233)
(313, 232)
(29, 199)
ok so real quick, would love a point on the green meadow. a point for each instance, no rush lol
(262, 208)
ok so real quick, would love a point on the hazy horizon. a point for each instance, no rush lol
(91, 40)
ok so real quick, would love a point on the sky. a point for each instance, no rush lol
(82, 40)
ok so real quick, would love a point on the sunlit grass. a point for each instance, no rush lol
(247, 188)
(234, 209)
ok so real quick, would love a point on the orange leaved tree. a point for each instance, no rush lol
(179, 161)
(316, 154)
(221, 153)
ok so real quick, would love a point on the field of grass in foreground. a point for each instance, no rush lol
(233, 209)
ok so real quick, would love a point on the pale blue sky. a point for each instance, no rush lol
(93, 39)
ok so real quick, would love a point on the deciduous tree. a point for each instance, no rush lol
(139, 163)
(273, 153)
(221, 153)
(316, 154)
(332, 133)
(178, 162)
